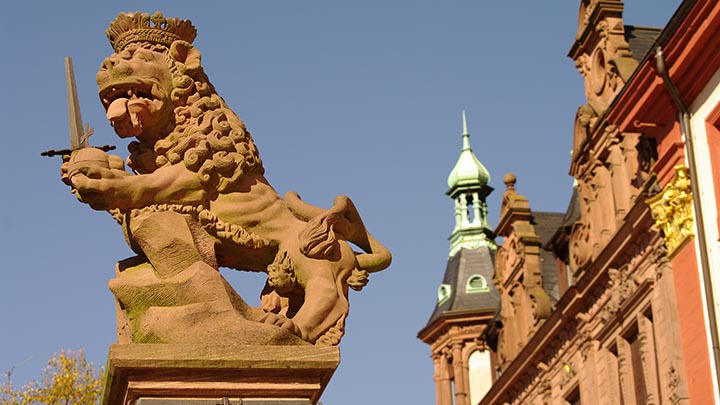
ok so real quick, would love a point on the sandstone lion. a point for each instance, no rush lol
(198, 197)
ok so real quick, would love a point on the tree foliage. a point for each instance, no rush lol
(68, 379)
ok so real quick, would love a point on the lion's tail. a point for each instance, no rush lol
(319, 236)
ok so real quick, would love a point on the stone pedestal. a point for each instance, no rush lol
(171, 374)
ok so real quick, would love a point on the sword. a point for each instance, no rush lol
(78, 135)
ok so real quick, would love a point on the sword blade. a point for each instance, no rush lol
(77, 135)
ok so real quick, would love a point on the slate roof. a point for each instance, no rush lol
(572, 214)
(558, 243)
(460, 267)
(640, 40)
(546, 224)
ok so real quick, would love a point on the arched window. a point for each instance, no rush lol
(444, 292)
(476, 283)
(480, 375)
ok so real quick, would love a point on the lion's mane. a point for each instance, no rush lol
(208, 138)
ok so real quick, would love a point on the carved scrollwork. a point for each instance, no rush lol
(602, 55)
(597, 212)
(580, 246)
(583, 64)
(540, 303)
(603, 29)
(514, 254)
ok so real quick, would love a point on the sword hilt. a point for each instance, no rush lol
(62, 152)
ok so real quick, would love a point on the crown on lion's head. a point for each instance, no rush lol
(128, 28)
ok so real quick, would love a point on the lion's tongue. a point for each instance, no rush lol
(117, 109)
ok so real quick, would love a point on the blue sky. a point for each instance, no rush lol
(360, 98)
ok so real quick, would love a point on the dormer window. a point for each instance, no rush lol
(476, 284)
(444, 292)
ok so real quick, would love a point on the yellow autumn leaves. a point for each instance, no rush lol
(68, 379)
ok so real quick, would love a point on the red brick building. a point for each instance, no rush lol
(617, 300)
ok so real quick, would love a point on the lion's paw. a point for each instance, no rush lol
(281, 321)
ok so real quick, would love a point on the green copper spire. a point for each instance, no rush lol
(468, 170)
(468, 187)
(465, 134)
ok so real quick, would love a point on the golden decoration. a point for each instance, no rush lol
(672, 210)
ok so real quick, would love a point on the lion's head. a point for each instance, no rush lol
(154, 89)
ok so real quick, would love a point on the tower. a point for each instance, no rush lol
(467, 298)
(468, 187)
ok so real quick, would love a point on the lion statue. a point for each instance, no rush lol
(197, 200)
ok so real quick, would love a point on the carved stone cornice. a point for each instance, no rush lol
(463, 325)
(672, 210)
(457, 335)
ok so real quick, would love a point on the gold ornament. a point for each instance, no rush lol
(672, 210)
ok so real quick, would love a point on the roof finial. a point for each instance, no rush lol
(465, 134)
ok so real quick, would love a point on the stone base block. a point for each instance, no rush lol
(221, 401)
(171, 374)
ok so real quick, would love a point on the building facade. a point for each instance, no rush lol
(616, 300)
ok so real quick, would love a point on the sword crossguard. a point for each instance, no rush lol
(62, 152)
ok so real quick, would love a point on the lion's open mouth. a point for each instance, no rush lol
(147, 90)
(128, 105)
